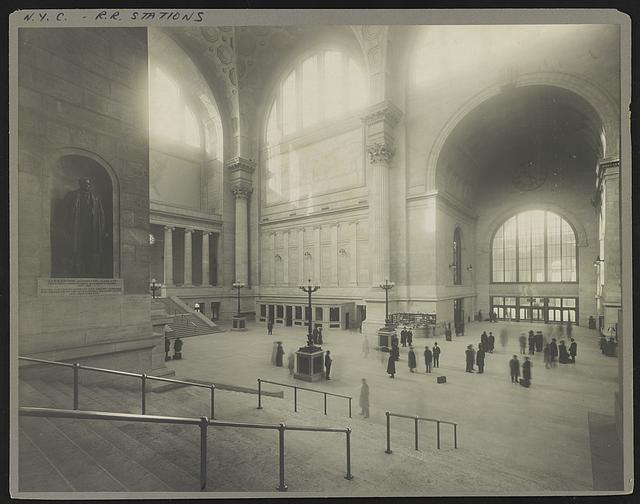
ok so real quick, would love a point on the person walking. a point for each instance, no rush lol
(327, 365)
(492, 341)
(177, 349)
(514, 368)
(364, 399)
(532, 343)
(539, 341)
(469, 356)
(547, 356)
(573, 350)
(526, 371)
(523, 343)
(291, 363)
(428, 359)
(484, 339)
(409, 337)
(411, 360)
(553, 352)
(167, 348)
(279, 354)
(270, 327)
(403, 337)
(436, 354)
(365, 346)
(391, 366)
(480, 359)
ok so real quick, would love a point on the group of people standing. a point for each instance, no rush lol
(431, 359)
(406, 337)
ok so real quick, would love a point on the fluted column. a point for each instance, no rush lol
(205, 258)
(241, 186)
(285, 258)
(272, 254)
(334, 254)
(317, 252)
(379, 126)
(301, 256)
(168, 255)
(188, 260)
(354, 254)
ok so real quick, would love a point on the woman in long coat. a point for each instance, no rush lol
(391, 365)
(411, 360)
(279, 354)
(470, 358)
(526, 370)
(364, 398)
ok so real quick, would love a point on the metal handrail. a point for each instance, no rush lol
(416, 419)
(203, 423)
(295, 394)
(143, 377)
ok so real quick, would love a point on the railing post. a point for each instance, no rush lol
(455, 435)
(416, 431)
(295, 399)
(349, 476)
(144, 393)
(282, 487)
(76, 369)
(388, 450)
(213, 402)
(204, 423)
(349, 407)
(259, 393)
(325, 403)
(438, 432)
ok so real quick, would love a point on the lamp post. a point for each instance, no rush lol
(238, 322)
(309, 288)
(387, 286)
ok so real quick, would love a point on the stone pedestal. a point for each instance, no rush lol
(384, 337)
(238, 323)
(309, 364)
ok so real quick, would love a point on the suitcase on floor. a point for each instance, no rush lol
(525, 383)
(442, 379)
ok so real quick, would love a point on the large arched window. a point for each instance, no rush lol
(322, 87)
(170, 115)
(457, 257)
(534, 246)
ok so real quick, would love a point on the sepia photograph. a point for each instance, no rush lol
(340, 254)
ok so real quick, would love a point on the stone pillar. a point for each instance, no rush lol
(301, 279)
(272, 255)
(334, 254)
(219, 257)
(168, 255)
(285, 257)
(188, 259)
(205, 258)
(242, 187)
(611, 268)
(353, 279)
(317, 253)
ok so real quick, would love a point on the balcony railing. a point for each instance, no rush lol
(295, 394)
(76, 366)
(417, 419)
(203, 423)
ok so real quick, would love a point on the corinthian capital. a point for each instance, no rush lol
(380, 152)
(242, 191)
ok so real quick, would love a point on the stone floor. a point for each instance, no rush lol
(543, 429)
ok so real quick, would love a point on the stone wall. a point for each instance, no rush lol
(84, 92)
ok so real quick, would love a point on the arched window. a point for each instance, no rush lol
(534, 246)
(170, 115)
(324, 86)
(457, 257)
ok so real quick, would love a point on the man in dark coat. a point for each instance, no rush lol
(603, 343)
(177, 349)
(470, 357)
(327, 365)
(492, 341)
(279, 354)
(428, 358)
(563, 354)
(526, 370)
(436, 355)
(539, 341)
(480, 360)
(514, 368)
(167, 348)
(532, 343)
(364, 399)
(573, 350)
(553, 352)
(394, 340)
(484, 339)
(403, 337)
(270, 327)
(411, 360)
(409, 337)
(523, 343)
(391, 366)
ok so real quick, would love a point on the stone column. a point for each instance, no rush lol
(317, 253)
(285, 258)
(188, 259)
(379, 124)
(354, 254)
(168, 255)
(334, 254)
(241, 187)
(272, 255)
(205, 258)
(301, 279)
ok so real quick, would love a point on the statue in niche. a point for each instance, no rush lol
(85, 230)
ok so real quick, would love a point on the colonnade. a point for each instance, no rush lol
(188, 265)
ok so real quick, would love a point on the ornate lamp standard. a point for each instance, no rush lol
(238, 322)
(386, 333)
(309, 358)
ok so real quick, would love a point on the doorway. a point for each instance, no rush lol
(288, 318)
(458, 312)
(215, 311)
(271, 313)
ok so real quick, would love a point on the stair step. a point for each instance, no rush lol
(34, 465)
(82, 470)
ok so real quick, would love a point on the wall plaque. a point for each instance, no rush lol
(80, 286)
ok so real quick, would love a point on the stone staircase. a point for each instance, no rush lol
(185, 323)
(95, 456)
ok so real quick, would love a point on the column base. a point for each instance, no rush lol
(384, 338)
(238, 323)
(309, 364)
